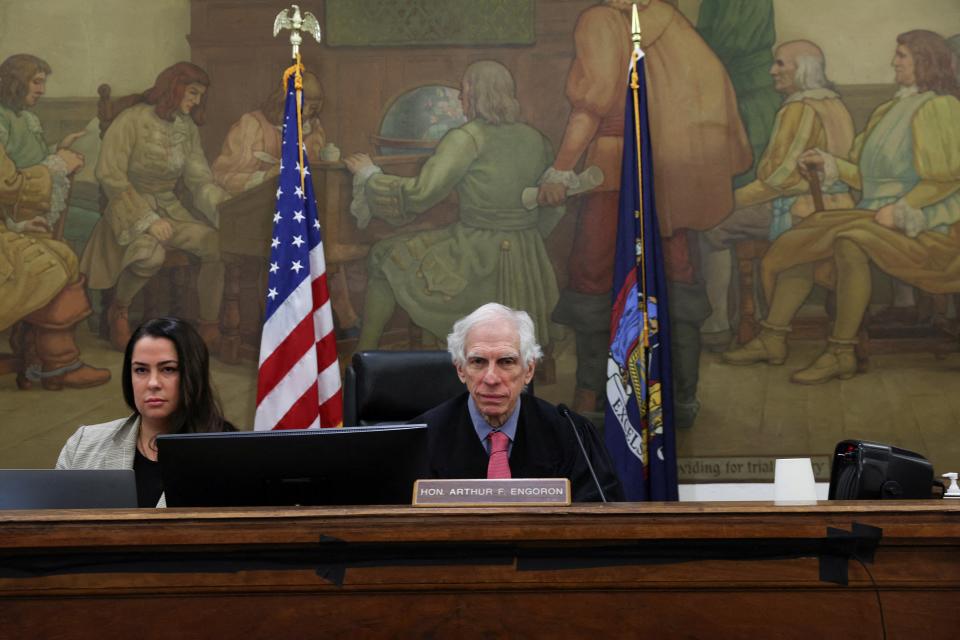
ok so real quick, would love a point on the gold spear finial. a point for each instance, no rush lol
(635, 24)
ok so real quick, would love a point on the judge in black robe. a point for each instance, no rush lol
(544, 447)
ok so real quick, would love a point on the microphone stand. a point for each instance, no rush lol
(565, 412)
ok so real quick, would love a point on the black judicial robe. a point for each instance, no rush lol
(544, 447)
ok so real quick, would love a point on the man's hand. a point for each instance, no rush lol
(72, 159)
(37, 224)
(357, 161)
(162, 230)
(551, 194)
(810, 160)
(884, 216)
(69, 139)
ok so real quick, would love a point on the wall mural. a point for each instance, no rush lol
(804, 312)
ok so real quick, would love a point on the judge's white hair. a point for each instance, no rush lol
(811, 73)
(530, 351)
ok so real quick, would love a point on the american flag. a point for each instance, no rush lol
(298, 385)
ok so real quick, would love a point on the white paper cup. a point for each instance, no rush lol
(793, 482)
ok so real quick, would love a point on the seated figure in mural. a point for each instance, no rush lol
(495, 252)
(251, 155)
(906, 163)
(41, 287)
(166, 384)
(812, 117)
(251, 150)
(147, 149)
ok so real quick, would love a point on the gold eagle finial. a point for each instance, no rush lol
(297, 24)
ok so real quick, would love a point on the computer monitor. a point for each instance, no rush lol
(67, 489)
(350, 465)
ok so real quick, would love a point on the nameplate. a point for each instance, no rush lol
(493, 493)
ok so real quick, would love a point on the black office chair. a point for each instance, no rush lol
(396, 386)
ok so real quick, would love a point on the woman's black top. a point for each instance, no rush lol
(149, 482)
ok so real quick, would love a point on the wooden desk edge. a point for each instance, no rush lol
(927, 520)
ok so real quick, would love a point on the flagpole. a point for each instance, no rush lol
(295, 70)
(635, 87)
(642, 254)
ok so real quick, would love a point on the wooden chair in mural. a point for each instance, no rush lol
(176, 279)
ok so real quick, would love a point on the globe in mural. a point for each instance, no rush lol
(417, 119)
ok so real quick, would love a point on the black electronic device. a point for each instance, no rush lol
(349, 465)
(865, 470)
(68, 489)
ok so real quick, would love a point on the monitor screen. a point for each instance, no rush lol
(350, 465)
(67, 489)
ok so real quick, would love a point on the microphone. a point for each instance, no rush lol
(565, 412)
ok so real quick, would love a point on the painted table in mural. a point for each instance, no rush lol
(751, 570)
(246, 229)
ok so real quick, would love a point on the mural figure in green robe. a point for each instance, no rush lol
(495, 252)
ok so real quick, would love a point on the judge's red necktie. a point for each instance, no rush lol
(499, 465)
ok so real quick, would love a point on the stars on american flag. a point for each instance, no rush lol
(296, 228)
(297, 388)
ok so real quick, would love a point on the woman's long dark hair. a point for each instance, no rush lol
(199, 410)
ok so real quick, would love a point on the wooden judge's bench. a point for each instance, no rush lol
(692, 570)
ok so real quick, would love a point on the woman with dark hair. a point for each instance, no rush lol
(166, 382)
(146, 150)
(906, 164)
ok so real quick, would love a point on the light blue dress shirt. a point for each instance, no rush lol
(483, 428)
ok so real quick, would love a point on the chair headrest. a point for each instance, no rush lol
(395, 386)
